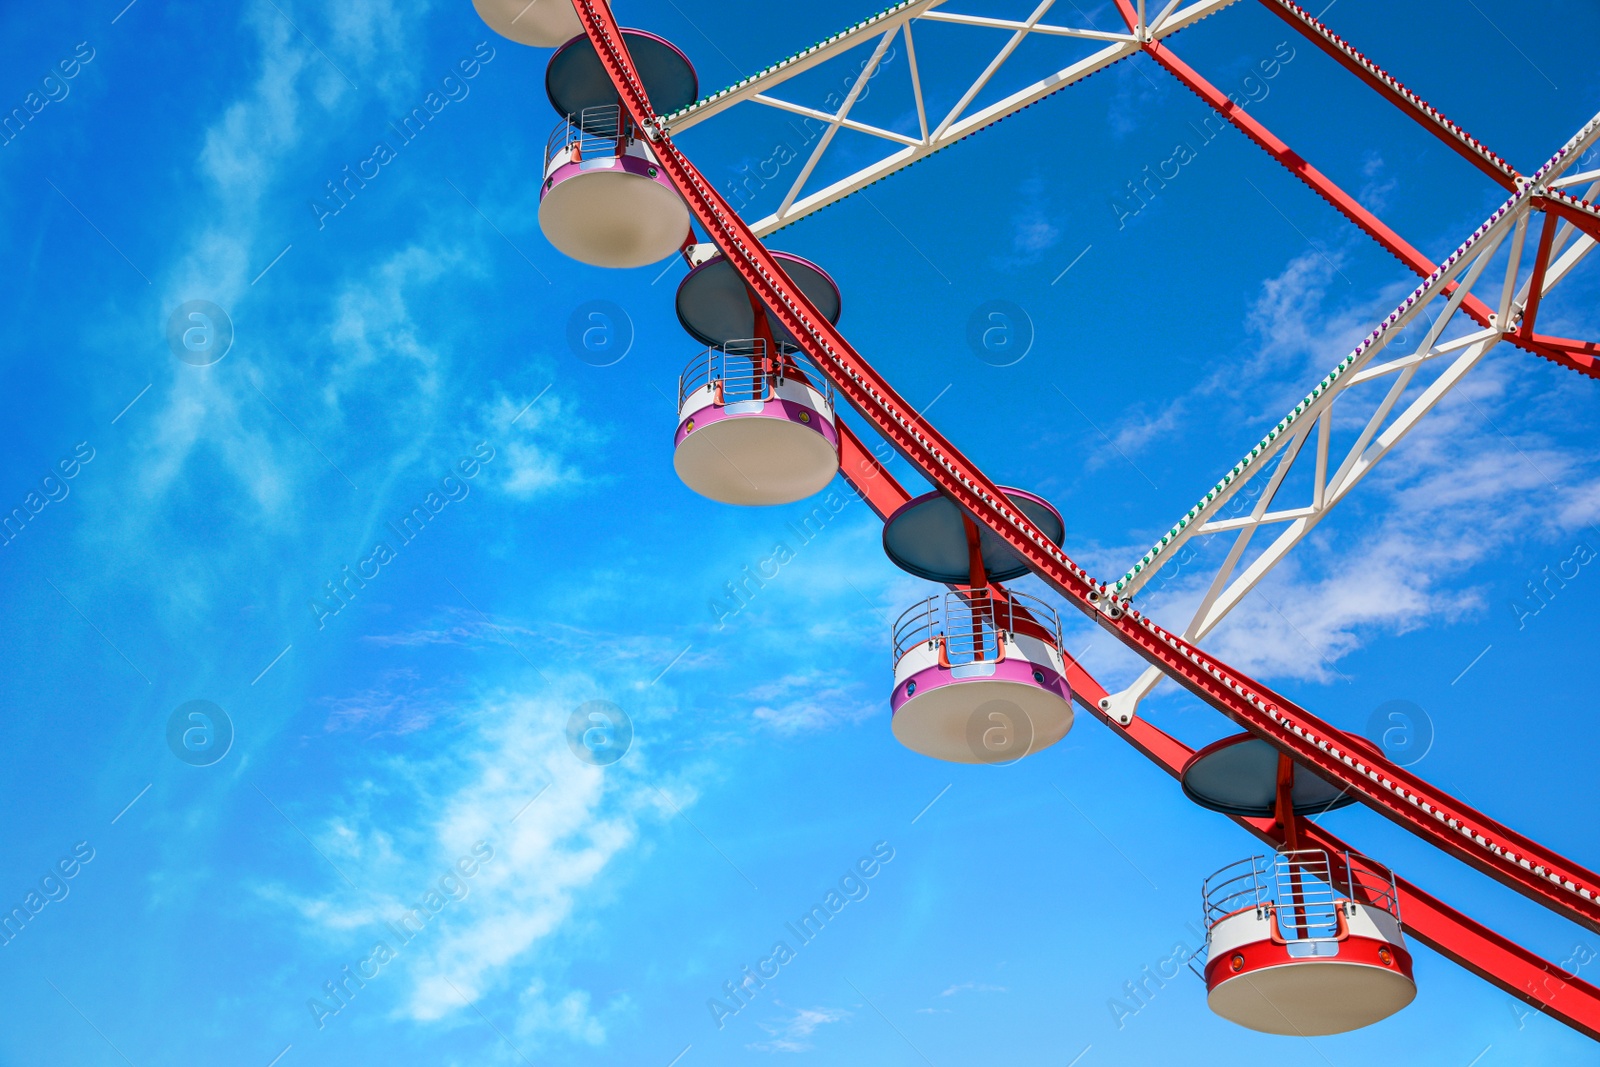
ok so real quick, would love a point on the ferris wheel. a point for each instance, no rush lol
(1312, 938)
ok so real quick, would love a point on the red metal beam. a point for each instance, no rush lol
(1560, 350)
(1315, 180)
(1541, 265)
(1586, 348)
(1556, 349)
(1390, 88)
(870, 478)
(1465, 941)
(1540, 873)
(1578, 212)
(1545, 877)
(1325, 187)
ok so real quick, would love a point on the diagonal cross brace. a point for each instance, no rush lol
(1551, 880)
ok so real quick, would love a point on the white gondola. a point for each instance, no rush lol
(1299, 946)
(540, 23)
(978, 678)
(978, 673)
(756, 422)
(604, 198)
(755, 426)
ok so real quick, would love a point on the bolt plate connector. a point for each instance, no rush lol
(1121, 707)
(702, 252)
(1107, 604)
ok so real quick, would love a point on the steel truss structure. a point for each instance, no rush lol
(1567, 232)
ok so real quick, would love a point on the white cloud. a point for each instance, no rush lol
(813, 699)
(555, 826)
(1300, 324)
(396, 704)
(537, 438)
(1032, 231)
(1399, 553)
(455, 626)
(330, 379)
(793, 1034)
(377, 343)
(1374, 192)
(1138, 93)
(972, 987)
(569, 1014)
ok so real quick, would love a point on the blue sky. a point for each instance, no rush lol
(414, 342)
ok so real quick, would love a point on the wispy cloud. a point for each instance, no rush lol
(513, 750)
(541, 442)
(453, 626)
(1139, 95)
(1399, 553)
(398, 702)
(1374, 192)
(1453, 495)
(1033, 230)
(1290, 334)
(793, 1034)
(813, 700)
(973, 987)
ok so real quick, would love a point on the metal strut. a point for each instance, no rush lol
(1325, 187)
(1496, 959)
(1388, 86)
(1539, 873)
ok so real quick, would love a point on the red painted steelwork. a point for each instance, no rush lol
(1580, 213)
(1561, 350)
(1541, 874)
(1342, 201)
(1549, 879)
(1429, 118)
(1587, 348)
(1466, 942)
(870, 478)
(1463, 940)
(1541, 264)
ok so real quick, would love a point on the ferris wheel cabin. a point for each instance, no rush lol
(604, 199)
(755, 417)
(1296, 943)
(1301, 945)
(540, 23)
(978, 672)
